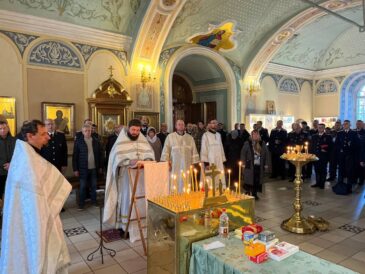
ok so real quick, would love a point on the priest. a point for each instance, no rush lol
(32, 236)
(180, 151)
(212, 151)
(130, 148)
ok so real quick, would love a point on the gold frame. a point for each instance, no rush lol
(153, 117)
(8, 108)
(49, 110)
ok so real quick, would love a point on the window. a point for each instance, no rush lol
(360, 105)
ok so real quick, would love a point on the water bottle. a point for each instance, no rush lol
(223, 224)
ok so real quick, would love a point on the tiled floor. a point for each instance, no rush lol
(343, 244)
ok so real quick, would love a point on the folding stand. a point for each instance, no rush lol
(111, 252)
(134, 199)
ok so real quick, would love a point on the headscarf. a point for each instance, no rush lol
(154, 138)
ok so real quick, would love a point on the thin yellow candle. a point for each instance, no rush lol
(236, 185)
(189, 188)
(202, 174)
(239, 175)
(184, 179)
(306, 147)
(201, 185)
(175, 183)
(171, 182)
(196, 179)
(192, 177)
(229, 178)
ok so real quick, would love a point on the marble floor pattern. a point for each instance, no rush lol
(343, 244)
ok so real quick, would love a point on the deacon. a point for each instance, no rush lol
(130, 148)
(180, 151)
(321, 146)
(212, 148)
(32, 235)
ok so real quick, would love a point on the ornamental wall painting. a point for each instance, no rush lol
(219, 37)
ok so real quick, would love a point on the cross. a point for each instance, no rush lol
(213, 172)
(111, 70)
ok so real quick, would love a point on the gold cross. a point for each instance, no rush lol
(212, 173)
(111, 71)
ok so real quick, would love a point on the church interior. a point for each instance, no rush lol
(236, 61)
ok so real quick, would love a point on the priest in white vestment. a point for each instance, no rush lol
(212, 151)
(32, 235)
(180, 151)
(130, 148)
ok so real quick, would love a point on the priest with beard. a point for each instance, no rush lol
(130, 148)
(212, 151)
(180, 151)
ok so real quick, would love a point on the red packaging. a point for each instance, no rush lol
(259, 258)
(255, 228)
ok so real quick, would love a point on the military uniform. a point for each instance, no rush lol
(277, 143)
(347, 146)
(55, 151)
(333, 157)
(360, 171)
(295, 139)
(309, 167)
(321, 146)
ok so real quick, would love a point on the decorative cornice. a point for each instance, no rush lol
(290, 71)
(36, 25)
(210, 87)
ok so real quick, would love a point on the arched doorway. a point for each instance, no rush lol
(210, 78)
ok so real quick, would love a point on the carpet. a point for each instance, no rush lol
(110, 235)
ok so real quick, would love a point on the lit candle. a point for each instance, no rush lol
(306, 147)
(229, 178)
(239, 174)
(236, 185)
(196, 179)
(192, 177)
(184, 179)
(171, 182)
(202, 172)
(201, 186)
(175, 183)
(287, 150)
(189, 188)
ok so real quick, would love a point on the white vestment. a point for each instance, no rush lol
(32, 235)
(181, 151)
(212, 152)
(118, 191)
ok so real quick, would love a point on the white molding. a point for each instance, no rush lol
(290, 71)
(36, 25)
(210, 87)
(342, 71)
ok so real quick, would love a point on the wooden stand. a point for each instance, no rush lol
(134, 199)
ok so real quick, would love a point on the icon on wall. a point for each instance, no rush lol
(63, 115)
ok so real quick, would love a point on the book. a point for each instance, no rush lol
(282, 251)
(268, 244)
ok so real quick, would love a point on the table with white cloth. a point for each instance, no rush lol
(231, 260)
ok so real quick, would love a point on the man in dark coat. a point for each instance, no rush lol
(347, 146)
(277, 142)
(55, 151)
(360, 171)
(243, 133)
(87, 160)
(7, 145)
(333, 155)
(264, 133)
(234, 147)
(321, 146)
(112, 138)
(162, 134)
(297, 137)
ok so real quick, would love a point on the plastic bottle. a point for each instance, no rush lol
(223, 224)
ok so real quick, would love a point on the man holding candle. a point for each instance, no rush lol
(180, 151)
(212, 151)
(321, 147)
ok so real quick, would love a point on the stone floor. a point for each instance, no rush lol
(343, 244)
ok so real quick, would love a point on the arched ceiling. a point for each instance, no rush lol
(327, 42)
(256, 20)
(200, 70)
(119, 16)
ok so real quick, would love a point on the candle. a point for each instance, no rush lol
(236, 185)
(189, 188)
(184, 179)
(201, 186)
(174, 189)
(175, 183)
(239, 174)
(229, 178)
(171, 182)
(192, 177)
(196, 179)
(306, 147)
(202, 174)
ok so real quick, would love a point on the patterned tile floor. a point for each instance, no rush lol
(343, 244)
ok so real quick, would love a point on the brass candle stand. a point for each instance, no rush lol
(297, 223)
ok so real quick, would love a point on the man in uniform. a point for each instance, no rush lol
(180, 151)
(55, 151)
(333, 155)
(360, 169)
(346, 145)
(321, 146)
(277, 141)
(297, 137)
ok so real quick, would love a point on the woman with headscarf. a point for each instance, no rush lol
(253, 157)
(234, 146)
(154, 142)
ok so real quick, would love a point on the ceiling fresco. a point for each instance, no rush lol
(256, 21)
(119, 16)
(327, 42)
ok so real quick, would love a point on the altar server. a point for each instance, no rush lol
(32, 235)
(212, 148)
(180, 151)
(130, 148)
